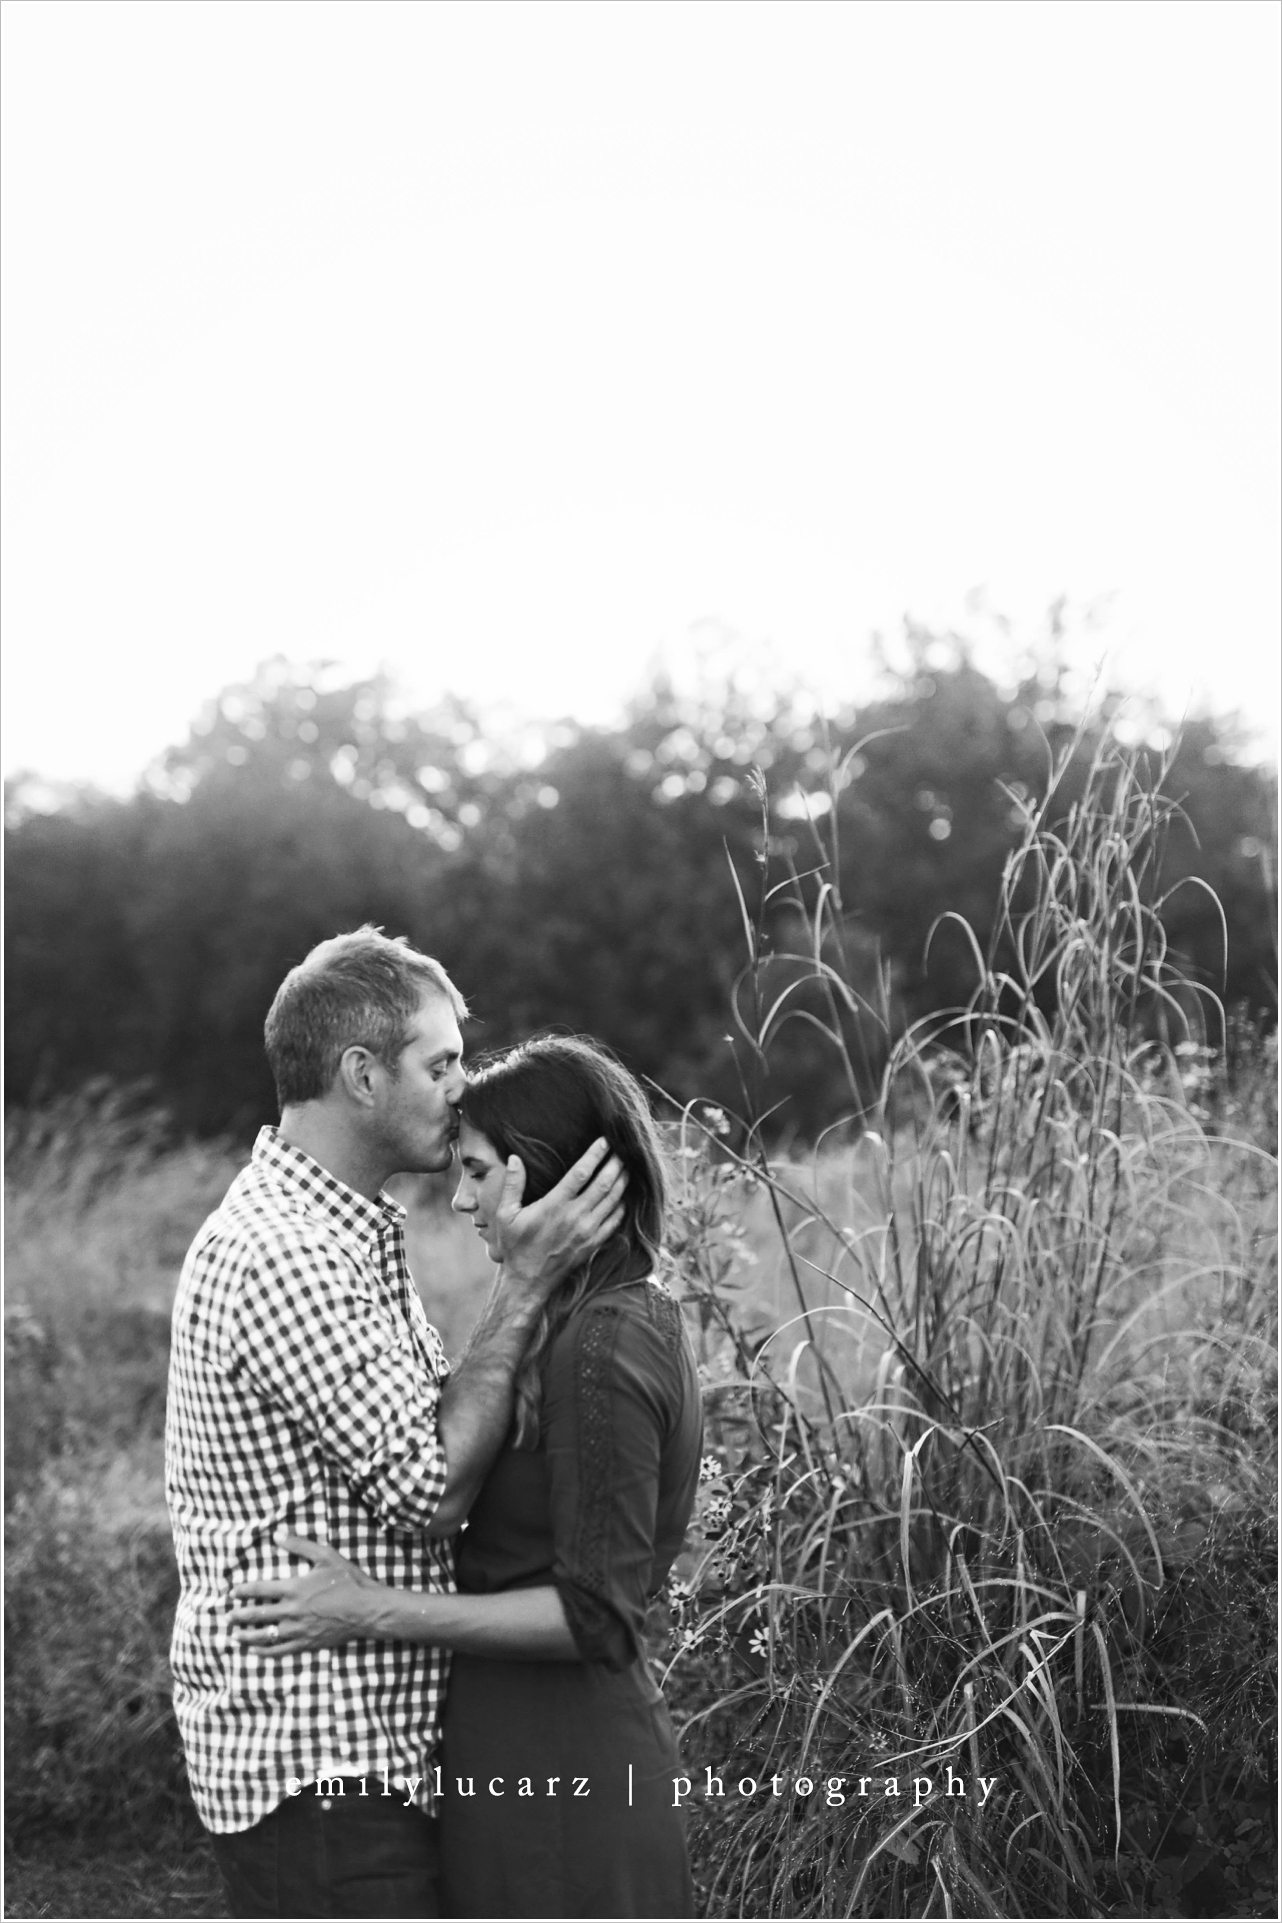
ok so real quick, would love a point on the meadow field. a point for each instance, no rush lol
(978, 1617)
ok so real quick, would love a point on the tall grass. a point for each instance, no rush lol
(100, 1203)
(1018, 1525)
(991, 1423)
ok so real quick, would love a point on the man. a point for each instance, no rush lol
(308, 1392)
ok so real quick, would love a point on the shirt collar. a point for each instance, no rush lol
(349, 1209)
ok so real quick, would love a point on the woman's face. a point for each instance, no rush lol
(480, 1189)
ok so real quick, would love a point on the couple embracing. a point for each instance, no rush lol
(448, 1711)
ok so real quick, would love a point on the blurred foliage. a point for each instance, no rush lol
(575, 876)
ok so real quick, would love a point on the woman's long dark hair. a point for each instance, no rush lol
(547, 1101)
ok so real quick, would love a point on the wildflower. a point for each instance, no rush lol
(717, 1513)
(709, 1469)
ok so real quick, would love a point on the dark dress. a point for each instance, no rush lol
(570, 1764)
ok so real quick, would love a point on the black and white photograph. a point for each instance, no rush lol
(641, 718)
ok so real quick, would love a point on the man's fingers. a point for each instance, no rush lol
(600, 1194)
(255, 1615)
(284, 1645)
(548, 1238)
(513, 1186)
(304, 1547)
(615, 1179)
(578, 1176)
(249, 1592)
(604, 1197)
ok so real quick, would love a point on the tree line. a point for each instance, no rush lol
(580, 879)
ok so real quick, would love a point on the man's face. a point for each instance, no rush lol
(418, 1111)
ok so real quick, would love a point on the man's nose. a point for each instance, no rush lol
(455, 1086)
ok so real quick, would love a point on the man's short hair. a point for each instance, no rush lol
(361, 989)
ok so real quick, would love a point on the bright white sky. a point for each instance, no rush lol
(504, 343)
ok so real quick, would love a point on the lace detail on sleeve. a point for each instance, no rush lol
(596, 1460)
(609, 1416)
(664, 1312)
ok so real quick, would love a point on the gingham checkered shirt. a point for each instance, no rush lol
(303, 1387)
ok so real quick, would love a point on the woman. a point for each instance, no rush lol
(558, 1755)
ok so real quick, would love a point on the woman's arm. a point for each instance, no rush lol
(607, 1390)
(337, 1601)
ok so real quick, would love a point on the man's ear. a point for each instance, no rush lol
(357, 1069)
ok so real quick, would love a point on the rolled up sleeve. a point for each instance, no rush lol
(339, 1362)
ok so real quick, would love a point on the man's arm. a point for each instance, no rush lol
(310, 1336)
(315, 1343)
(540, 1245)
(335, 1601)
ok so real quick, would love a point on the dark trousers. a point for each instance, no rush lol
(333, 1855)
